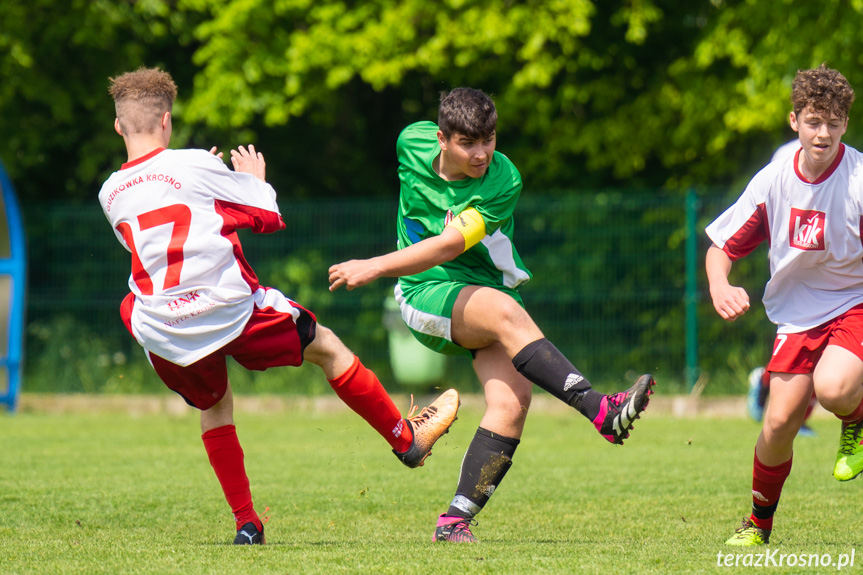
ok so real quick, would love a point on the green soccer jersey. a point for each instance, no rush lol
(428, 202)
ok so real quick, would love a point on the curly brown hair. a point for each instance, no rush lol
(824, 89)
(141, 97)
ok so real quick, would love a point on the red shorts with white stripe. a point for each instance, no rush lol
(799, 352)
(271, 338)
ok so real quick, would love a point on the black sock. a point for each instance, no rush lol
(764, 511)
(486, 461)
(543, 364)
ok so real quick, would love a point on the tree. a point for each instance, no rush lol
(591, 94)
(613, 94)
(649, 92)
(55, 111)
(542, 60)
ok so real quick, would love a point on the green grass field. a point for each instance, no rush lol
(125, 494)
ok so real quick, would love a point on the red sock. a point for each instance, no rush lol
(226, 457)
(767, 485)
(360, 389)
(854, 416)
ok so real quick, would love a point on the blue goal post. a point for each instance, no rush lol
(13, 280)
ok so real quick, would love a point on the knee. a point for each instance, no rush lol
(781, 426)
(837, 396)
(325, 347)
(830, 400)
(511, 316)
(512, 410)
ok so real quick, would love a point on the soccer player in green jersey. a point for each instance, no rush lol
(459, 274)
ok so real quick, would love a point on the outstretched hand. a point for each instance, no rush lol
(213, 151)
(249, 161)
(352, 274)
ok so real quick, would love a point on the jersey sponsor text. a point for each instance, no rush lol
(807, 229)
(170, 180)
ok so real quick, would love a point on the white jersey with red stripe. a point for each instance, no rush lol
(177, 212)
(814, 234)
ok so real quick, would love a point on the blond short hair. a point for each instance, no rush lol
(141, 98)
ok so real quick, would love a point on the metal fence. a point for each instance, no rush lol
(618, 286)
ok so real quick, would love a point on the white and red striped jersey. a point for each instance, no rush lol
(814, 234)
(177, 212)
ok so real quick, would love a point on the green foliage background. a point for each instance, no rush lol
(609, 289)
(591, 94)
(650, 95)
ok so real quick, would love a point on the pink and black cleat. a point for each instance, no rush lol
(619, 411)
(454, 529)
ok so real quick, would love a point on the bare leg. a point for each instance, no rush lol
(786, 409)
(329, 353)
(507, 392)
(220, 414)
(483, 316)
(838, 377)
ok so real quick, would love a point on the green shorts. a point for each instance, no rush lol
(427, 310)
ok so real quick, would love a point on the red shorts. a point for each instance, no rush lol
(270, 339)
(799, 352)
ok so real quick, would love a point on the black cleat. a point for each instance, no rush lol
(248, 534)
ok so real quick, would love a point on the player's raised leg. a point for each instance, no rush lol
(412, 437)
(838, 387)
(849, 457)
(484, 315)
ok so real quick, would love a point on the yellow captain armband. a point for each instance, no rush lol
(471, 225)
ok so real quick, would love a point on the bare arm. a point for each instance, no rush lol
(729, 301)
(411, 260)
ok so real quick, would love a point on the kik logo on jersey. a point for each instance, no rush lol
(806, 229)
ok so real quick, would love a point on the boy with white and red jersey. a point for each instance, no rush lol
(759, 378)
(459, 274)
(194, 299)
(809, 207)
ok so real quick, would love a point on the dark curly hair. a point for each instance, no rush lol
(141, 97)
(824, 89)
